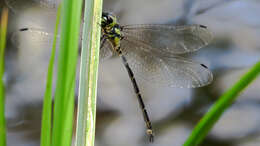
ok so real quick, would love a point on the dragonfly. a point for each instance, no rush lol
(149, 52)
(152, 52)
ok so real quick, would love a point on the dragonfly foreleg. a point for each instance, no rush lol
(103, 39)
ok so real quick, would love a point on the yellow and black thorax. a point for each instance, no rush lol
(111, 29)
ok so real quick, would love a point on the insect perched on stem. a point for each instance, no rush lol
(150, 52)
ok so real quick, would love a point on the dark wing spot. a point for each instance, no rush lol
(204, 66)
(23, 29)
(203, 26)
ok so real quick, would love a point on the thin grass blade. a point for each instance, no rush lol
(47, 103)
(3, 30)
(67, 61)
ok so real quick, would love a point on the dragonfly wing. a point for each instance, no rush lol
(172, 71)
(33, 38)
(168, 39)
(105, 49)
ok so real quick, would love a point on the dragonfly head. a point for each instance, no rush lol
(107, 20)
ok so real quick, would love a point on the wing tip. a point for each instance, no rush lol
(206, 81)
(207, 36)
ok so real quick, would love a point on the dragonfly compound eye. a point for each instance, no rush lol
(109, 20)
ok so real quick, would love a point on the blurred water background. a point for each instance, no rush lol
(173, 112)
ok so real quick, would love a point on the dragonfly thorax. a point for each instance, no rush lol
(111, 29)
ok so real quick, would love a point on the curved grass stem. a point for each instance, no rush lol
(225, 101)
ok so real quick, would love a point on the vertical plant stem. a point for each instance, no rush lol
(85, 135)
(225, 101)
(47, 103)
(3, 29)
(67, 62)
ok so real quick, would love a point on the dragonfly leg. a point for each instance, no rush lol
(148, 123)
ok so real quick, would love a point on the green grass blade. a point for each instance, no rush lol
(47, 103)
(67, 61)
(3, 30)
(225, 101)
(85, 134)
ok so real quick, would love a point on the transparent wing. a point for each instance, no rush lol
(105, 49)
(35, 38)
(168, 39)
(168, 71)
